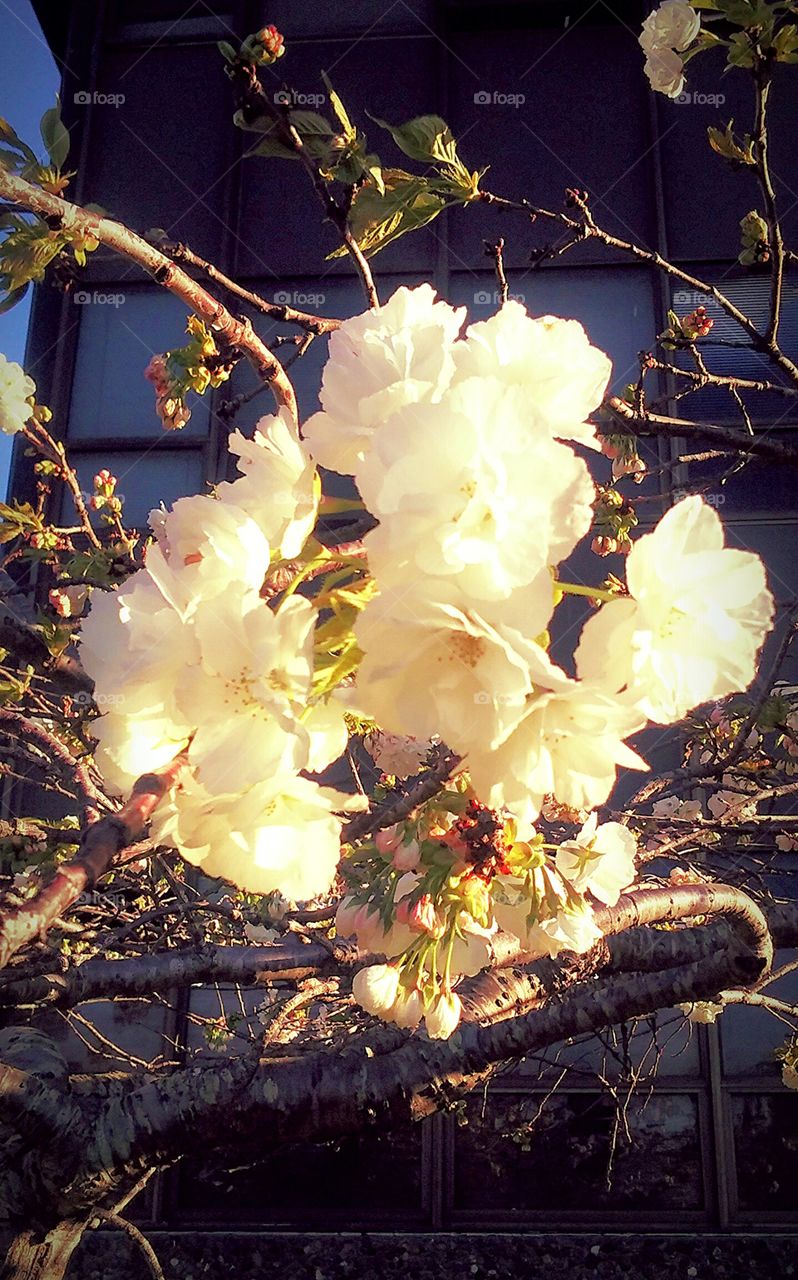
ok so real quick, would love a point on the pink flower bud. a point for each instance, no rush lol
(388, 840)
(345, 917)
(406, 856)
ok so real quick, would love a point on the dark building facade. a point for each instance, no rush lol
(551, 96)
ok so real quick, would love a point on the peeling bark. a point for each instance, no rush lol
(43, 1257)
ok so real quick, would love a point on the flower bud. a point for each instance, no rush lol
(375, 988)
(442, 1019)
(407, 855)
(408, 1009)
(388, 840)
(366, 925)
(345, 917)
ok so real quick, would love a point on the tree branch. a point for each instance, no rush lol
(237, 333)
(99, 846)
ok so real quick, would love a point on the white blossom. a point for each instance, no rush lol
(665, 71)
(203, 549)
(396, 753)
(691, 629)
(430, 668)
(457, 489)
(568, 743)
(15, 388)
(674, 25)
(282, 832)
(279, 488)
(601, 859)
(703, 1011)
(376, 987)
(396, 355)
(562, 375)
(442, 1019)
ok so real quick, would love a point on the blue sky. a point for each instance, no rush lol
(29, 81)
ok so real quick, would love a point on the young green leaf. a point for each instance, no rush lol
(55, 135)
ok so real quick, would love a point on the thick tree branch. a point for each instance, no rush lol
(655, 424)
(100, 844)
(236, 333)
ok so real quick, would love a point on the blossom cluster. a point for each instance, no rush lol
(186, 656)
(468, 448)
(463, 448)
(16, 390)
(431, 893)
(667, 33)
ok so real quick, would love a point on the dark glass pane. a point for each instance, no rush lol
(515, 1154)
(360, 1179)
(704, 198)
(766, 1150)
(153, 162)
(750, 1035)
(121, 328)
(145, 480)
(529, 103)
(750, 293)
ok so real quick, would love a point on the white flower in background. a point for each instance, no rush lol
(375, 988)
(205, 548)
(69, 602)
(260, 934)
(429, 668)
(282, 832)
(786, 843)
(704, 1011)
(567, 743)
(691, 630)
(600, 858)
(442, 1019)
(473, 950)
(674, 25)
(15, 388)
(279, 488)
(789, 1076)
(562, 375)
(457, 489)
(397, 753)
(665, 71)
(396, 355)
(730, 802)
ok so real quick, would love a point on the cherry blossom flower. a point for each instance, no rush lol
(279, 488)
(396, 355)
(15, 390)
(601, 859)
(442, 1019)
(456, 486)
(693, 624)
(562, 375)
(376, 987)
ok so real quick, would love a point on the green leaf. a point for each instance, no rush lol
(427, 139)
(785, 44)
(376, 219)
(226, 50)
(726, 145)
(740, 53)
(315, 132)
(15, 296)
(55, 135)
(8, 135)
(339, 109)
